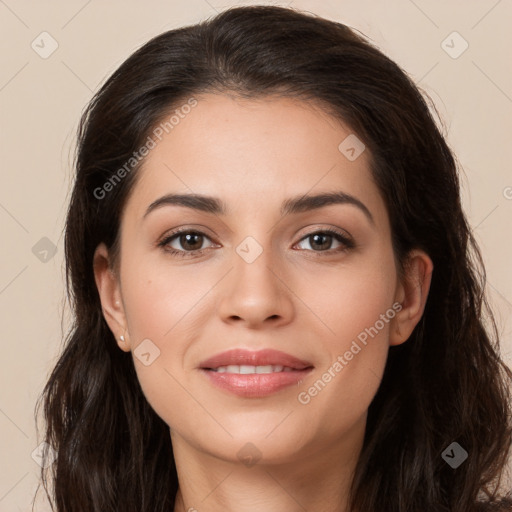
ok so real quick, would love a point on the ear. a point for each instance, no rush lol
(110, 295)
(412, 293)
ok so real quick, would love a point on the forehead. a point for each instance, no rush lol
(247, 151)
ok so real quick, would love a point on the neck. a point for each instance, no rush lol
(318, 481)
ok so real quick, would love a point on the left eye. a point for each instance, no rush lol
(323, 240)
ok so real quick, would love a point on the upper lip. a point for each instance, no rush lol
(252, 358)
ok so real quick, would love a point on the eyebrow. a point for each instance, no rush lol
(290, 206)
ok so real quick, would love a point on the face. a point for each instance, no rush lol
(268, 269)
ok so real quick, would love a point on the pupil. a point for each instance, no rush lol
(317, 236)
(188, 237)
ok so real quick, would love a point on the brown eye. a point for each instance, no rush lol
(321, 241)
(184, 242)
(192, 241)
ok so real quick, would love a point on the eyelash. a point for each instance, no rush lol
(339, 236)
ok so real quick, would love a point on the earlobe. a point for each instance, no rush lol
(412, 294)
(109, 291)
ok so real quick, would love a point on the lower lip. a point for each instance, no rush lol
(255, 384)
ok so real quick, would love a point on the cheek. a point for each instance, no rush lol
(347, 299)
(342, 389)
(158, 298)
(164, 308)
(357, 308)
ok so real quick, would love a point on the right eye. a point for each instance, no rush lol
(190, 240)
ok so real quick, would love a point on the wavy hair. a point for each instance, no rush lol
(447, 383)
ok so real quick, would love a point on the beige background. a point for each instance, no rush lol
(41, 101)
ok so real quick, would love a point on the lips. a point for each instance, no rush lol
(254, 374)
(241, 357)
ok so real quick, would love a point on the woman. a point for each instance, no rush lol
(278, 298)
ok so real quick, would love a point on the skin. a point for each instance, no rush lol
(297, 297)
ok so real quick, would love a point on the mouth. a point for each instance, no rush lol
(248, 361)
(246, 369)
(254, 374)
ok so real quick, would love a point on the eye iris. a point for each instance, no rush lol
(318, 236)
(188, 237)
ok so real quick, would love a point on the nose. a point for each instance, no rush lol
(256, 294)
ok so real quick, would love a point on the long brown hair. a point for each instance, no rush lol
(446, 384)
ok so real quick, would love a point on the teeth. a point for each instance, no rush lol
(246, 369)
(262, 369)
